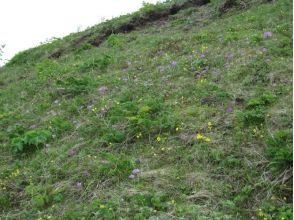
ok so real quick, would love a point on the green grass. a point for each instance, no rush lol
(200, 102)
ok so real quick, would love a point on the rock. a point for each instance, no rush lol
(79, 185)
(132, 176)
(74, 150)
(103, 90)
(33, 126)
(136, 172)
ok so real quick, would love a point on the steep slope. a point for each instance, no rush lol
(186, 116)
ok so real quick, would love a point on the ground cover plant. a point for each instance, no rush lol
(184, 115)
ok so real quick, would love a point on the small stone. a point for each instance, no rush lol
(136, 172)
(79, 185)
(86, 174)
(103, 90)
(33, 126)
(132, 176)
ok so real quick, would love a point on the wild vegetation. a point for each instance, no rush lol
(187, 115)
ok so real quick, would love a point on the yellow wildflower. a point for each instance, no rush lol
(102, 206)
(199, 136)
(15, 173)
(158, 138)
(209, 125)
(260, 212)
(139, 135)
(207, 139)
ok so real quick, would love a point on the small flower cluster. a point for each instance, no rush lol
(209, 125)
(261, 214)
(2, 185)
(15, 173)
(139, 135)
(201, 137)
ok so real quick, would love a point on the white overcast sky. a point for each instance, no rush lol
(27, 23)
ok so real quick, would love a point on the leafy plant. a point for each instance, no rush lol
(75, 85)
(115, 167)
(251, 117)
(59, 125)
(261, 101)
(29, 141)
(279, 149)
(115, 40)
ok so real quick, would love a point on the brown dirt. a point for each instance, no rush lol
(227, 5)
(133, 24)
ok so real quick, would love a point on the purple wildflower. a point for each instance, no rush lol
(174, 63)
(202, 55)
(229, 109)
(267, 34)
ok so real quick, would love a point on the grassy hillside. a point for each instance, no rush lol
(182, 110)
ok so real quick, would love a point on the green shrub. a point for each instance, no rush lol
(115, 40)
(251, 117)
(39, 201)
(279, 149)
(111, 135)
(117, 167)
(261, 101)
(147, 117)
(277, 211)
(255, 72)
(152, 200)
(103, 210)
(256, 38)
(29, 141)
(73, 86)
(97, 63)
(59, 125)
(26, 57)
(4, 201)
(47, 68)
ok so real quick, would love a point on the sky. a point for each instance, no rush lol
(27, 23)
